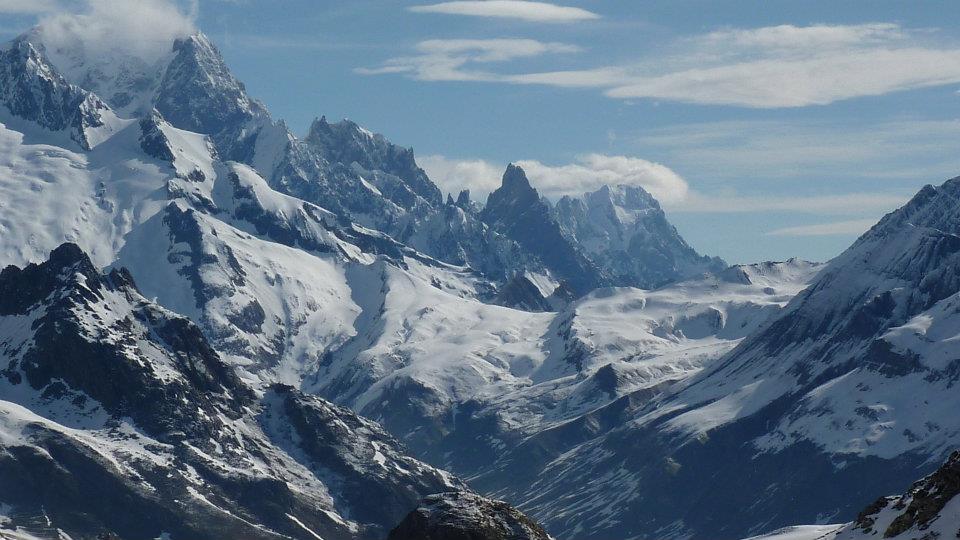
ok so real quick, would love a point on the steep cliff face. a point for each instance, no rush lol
(516, 210)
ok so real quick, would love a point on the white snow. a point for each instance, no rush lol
(801, 532)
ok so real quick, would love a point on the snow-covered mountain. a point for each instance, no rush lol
(623, 230)
(846, 393)
(327, 274)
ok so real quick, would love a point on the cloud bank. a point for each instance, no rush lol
(588, 173)
(770, 67)
(142, 28)
(592, 171)
(509, 9)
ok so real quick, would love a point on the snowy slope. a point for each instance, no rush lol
(440, 369)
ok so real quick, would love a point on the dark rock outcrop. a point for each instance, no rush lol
(466, 516)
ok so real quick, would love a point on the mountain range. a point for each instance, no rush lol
(210, 327)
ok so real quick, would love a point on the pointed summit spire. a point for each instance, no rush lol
(514, 178)
(463, 199)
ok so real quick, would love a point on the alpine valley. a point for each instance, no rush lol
(212, 328)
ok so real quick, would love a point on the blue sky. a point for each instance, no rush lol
(768, 129)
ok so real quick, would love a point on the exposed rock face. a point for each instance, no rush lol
(465, 516)
(516, 210)
(153, 141)
(198, 93)
(347, 143)
(615, 236)
(521, 293)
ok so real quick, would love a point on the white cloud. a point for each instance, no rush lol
(839, 228)
(589, 173)
(145, 28)
(453, 175)
(450, 59)
(28, 7)
(837, 204)
(510, 9)
(595, 170)
(769, 67)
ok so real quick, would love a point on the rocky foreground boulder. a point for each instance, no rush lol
(466, 516)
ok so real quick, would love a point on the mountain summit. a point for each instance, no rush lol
(517, 210)
(623, 230)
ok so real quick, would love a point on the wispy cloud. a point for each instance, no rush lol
(908, 149)
(452, 59)
(838, 204)
(28, 7)
(510, 9)
(838, 228)
(768, 67)
(291, 41)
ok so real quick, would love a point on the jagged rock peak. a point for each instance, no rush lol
(515, 179)
(21, 288)
(514, 191)
(346, 143)
(935, 207)
(463, 199)
(199, 93)
(321, 128)
(152, 139)
(32, 89)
